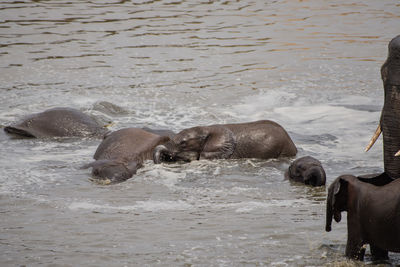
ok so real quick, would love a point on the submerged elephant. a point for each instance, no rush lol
(373, 215)
(122, 152)
(57, 122)
(307, 170)
(261, 139)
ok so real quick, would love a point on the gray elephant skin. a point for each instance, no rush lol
(389, 124)
(390, 117)
(373, 215)
(121, 153)
(307, 170)
(56, 122)
(261, 139)
(372, 201)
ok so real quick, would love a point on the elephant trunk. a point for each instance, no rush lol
(390, 125)
(329, 214)
(390, 118)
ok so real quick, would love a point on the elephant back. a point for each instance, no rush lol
(261, 139)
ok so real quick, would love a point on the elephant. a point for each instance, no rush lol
(372, 201)
(122, 153)
(260, 139)
(307, 170)
(373, 215)
(57, 122)
(389, 123)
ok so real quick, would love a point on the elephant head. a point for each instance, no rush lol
(307, 170)
(190, 144)
(390, 117)
(107, 171)
(336, 201)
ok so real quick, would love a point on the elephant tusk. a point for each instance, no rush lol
(397, 154)
(374, 138)
(111, 124)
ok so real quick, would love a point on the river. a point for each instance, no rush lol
(312, 66)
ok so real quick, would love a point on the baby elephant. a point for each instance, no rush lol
(57, 122)
(121, 153)
(260, 139)
(307, 170)
(373, 215)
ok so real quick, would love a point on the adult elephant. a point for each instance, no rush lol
(389, 123)
(373, 215)
(307, 170)
(372, 202)
(261, 139)
(122, 153)
(57, 122)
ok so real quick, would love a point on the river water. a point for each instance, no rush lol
(312, 66)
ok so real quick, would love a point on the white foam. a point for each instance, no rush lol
(279, 263)
(255, 107)
(162, 175)
(323, 113)
(150, 205)
(250, 206)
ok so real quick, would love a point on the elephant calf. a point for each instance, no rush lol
(261, 139)
(373, 215)
(307, 170)
(122, 152)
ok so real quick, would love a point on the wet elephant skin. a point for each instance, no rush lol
(261, 139)
(307, 170)
(56, 122)
(122, 152)
(373, 215)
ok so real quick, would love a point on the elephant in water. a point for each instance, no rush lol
(389, 123)
(57, 122)
(372, 201)
(261, 139)
(307, 170)
(373, 215)
(122, 152)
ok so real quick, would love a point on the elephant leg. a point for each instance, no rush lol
(355, 249)
(378, 254)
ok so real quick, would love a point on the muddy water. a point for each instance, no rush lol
(313, 66)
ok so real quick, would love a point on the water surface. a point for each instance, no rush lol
(312, 66)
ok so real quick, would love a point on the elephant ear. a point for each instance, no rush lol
(337, 215)
(336, 201)
(293, 172)
(220, 143)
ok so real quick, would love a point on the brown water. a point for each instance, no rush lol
(313, 66)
